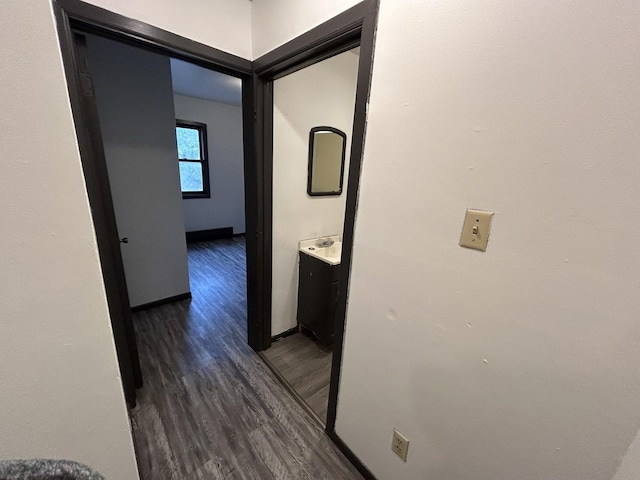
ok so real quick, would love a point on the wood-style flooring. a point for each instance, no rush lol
(306, 365)
(210, 408)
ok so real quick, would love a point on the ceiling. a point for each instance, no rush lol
(194, 81)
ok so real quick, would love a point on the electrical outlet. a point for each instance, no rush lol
(399, 445)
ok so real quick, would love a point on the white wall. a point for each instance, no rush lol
(135, 105)
(223, 24)
(61, 395)
(521, 362)
(225, 208)
(629, 468)
(320, 95)
(277, 21)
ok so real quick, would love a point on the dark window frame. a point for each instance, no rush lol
(204, 159)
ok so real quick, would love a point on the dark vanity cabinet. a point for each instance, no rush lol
(317, 296)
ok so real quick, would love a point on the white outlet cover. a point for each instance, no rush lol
(400, 445)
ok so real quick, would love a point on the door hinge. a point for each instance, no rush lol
(86, 84)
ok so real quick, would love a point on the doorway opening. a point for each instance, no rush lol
(181, 279)
(171, 133)
(103, 26)
(352, 29)
(313, 117)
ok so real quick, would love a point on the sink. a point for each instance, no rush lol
(330, 254)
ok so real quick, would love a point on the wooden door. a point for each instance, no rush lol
(99, 191)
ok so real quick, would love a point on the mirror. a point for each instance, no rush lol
(326, 161)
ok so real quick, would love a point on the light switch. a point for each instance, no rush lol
(475, 230)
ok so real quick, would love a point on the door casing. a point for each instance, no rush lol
(356, 26)
(75, 15)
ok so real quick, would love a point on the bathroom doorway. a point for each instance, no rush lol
(352, 34)
(312, 107)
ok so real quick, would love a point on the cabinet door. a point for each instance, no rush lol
(314, 296)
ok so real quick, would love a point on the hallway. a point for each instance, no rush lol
(209, 407)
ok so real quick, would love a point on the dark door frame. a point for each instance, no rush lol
(79, 16)
(356, 26)
(96, 179)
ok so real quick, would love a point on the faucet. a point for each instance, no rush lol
(327, 242)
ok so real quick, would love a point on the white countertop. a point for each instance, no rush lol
(331, 255)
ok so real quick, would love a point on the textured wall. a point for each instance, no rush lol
(521, 362)
(277, 21)
(223, 24)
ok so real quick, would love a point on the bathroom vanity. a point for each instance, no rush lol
(319, 271)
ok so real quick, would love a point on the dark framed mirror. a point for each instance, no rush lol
(327, 147)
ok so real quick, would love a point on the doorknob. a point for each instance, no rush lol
(124, 240)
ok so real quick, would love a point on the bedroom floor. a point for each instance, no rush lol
(210, 408)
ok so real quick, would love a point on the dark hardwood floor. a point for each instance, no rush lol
(210, 408)
(306, 365)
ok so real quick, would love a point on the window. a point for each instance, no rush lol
(192, 159)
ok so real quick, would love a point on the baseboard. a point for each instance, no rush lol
(364, 471)
(212, 234)
(157, 303)
(284, 334)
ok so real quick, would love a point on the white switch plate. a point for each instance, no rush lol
(475, 230)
